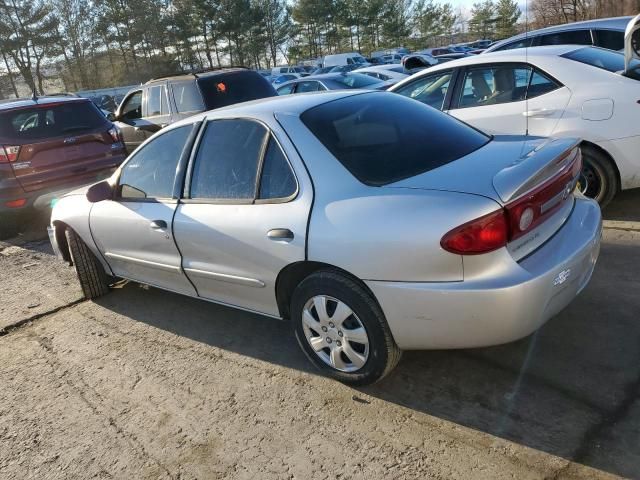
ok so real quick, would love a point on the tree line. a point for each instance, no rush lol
(87, 44)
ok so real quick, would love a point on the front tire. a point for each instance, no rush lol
(598, 179)
(93, 279)
(342, 330)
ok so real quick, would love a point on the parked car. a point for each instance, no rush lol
(343, 68)
(163, 101)
(336, 211)
(285, 77)
(276, 71)
(322, 70)
(415, 61)
(333, 81)
(605, 32)
(50, 145)
(555, 91)
(339, 59)
(481, 44)
(390, 72)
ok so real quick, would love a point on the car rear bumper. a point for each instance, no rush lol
(44, 198)
(501, 307)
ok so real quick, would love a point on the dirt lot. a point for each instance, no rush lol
(147, 384)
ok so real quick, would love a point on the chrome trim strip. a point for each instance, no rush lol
(146, 263)
(222, 277)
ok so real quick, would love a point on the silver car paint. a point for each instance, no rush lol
(391, 227)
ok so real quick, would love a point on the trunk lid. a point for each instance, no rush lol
(515, 172)
(56, 142)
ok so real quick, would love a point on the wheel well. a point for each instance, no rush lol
(291, 276)
(606, 154)
(61, 240)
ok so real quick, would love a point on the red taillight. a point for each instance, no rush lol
(533, 208)
(518, 217)
(115, 134)
(21, 202)
(481, 235)
(9, 153)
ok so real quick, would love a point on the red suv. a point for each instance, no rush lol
(50, 145)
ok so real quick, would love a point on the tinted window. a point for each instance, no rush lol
(227, 162)
(525, 42)
(156, 101)
(494, 85)
(69, 118)
(430, 90)
(150, 173)
(601, 58)
(577, 37)
(540, 84)
(307, 87)
(277, 179)
(132, 108)
(187, 97)
(611, 39)
(381, 138)
(355, 80)
(242, 86)
(287, 89)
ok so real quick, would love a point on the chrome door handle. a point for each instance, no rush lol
(158, 225)
(280, 234)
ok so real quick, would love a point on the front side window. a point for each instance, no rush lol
(572, 37)
(430, 90)
(132, 108)
(187, 97)
(156, 101)
(278, 180)
(494, 85)
(307, 87)
(287, 89)
(380, 138)
(226, 166)
(151, 172)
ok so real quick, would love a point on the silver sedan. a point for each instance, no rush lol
(372, 222)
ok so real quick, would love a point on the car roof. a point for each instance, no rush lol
(30, 102)
(194, 75)
(613, 23)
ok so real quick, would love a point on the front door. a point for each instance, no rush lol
(129, 120)
(134, 230)
(245, 217)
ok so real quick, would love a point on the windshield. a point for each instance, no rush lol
(604, 59)
(380, 137)
(356, 80)
(358, 60)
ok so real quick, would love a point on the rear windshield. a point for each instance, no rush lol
(382, 138)
(604, 59)
(222, 90)
(356, 80)
(53, 120)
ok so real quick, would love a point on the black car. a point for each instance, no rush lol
(163, 101)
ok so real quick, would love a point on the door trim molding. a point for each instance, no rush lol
(223, 277)
(146, 263)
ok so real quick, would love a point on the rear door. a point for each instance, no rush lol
(134, 230)
(245, 215)
(59, 142)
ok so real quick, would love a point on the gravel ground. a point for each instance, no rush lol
(146, 384)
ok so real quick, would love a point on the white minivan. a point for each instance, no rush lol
(339, 59)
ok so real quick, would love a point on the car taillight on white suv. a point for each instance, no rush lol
(519, 216)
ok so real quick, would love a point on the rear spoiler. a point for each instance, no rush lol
(631, 36)
(535, 167)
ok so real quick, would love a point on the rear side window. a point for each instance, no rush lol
(226, 166)
(382, 138)
(611, 39)
(187, 97)
(156, 101)
(230, 88)
(151, 171)
(48, 121)
(577, 37)
(541, 84)
(277, 179)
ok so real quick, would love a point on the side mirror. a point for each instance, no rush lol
(100, 191)
(632, 42)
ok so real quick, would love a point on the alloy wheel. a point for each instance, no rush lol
(335, 333)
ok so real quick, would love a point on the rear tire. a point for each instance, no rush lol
(599, 179)
(356, 347)
(93, 279)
